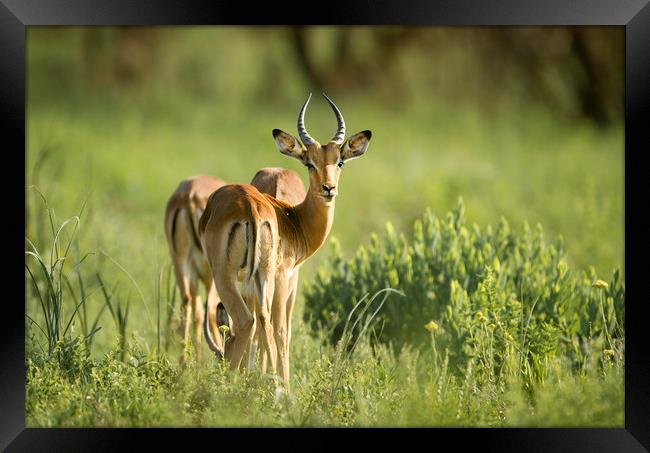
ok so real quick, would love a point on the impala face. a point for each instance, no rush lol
(324, 162)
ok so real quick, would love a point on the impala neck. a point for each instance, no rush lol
(315, 218)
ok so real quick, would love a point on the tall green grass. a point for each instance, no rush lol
(59, 293)
(486, 360)
(374, 386)
(48, 282)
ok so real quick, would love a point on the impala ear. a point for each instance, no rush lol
(356, 145)
(288, 144)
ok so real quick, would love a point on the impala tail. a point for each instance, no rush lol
(170, 225)
(260, 257)
(195, 216)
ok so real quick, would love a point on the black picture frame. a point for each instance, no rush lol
(634, 15)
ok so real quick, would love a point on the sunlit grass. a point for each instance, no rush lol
(123, 150)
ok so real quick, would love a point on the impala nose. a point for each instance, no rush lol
(329, 190)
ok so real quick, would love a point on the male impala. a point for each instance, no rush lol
(266, 238)
(184, 209)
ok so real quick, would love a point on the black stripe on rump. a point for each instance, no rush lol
(231, 235)
(194, 229)
(173, 232)
(245, 257)
(252, 248)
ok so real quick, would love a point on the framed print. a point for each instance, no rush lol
(398, 218)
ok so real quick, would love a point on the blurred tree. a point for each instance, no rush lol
(598, 86)
(348, 70)
(121, 55)
(571, 69)
(574, 71)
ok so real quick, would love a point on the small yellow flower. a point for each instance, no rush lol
(600, 284)
(480, 316)
(608, 353)
(432, 326)
(508, 337)
(224, 329)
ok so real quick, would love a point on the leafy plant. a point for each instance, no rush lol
(502, 298)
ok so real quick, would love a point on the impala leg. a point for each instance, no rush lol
(263, 359)
(182, 271)
(212, 314)
(266, 337)
(243, 320)
(223, 319)
(180, 248)
(225, 250)
(291, 300)
(254, 346)
(289, 307)
(252, 350)
(263, 283)
(197, 314)
(247, 358)
(279, 308)
(260, 338)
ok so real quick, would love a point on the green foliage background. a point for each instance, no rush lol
(451, 272)
(118, 116)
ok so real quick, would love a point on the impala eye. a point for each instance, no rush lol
(309, 166)
(340, 164)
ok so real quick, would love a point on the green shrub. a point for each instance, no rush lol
(500, 299)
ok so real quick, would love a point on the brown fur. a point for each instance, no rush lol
(296, 231)
(190, 265)
(191, 194)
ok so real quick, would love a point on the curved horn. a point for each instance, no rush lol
(302, 131)
(340, 131)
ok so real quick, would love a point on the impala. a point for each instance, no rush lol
(182, 214)
(284, 185)
(268, 239)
